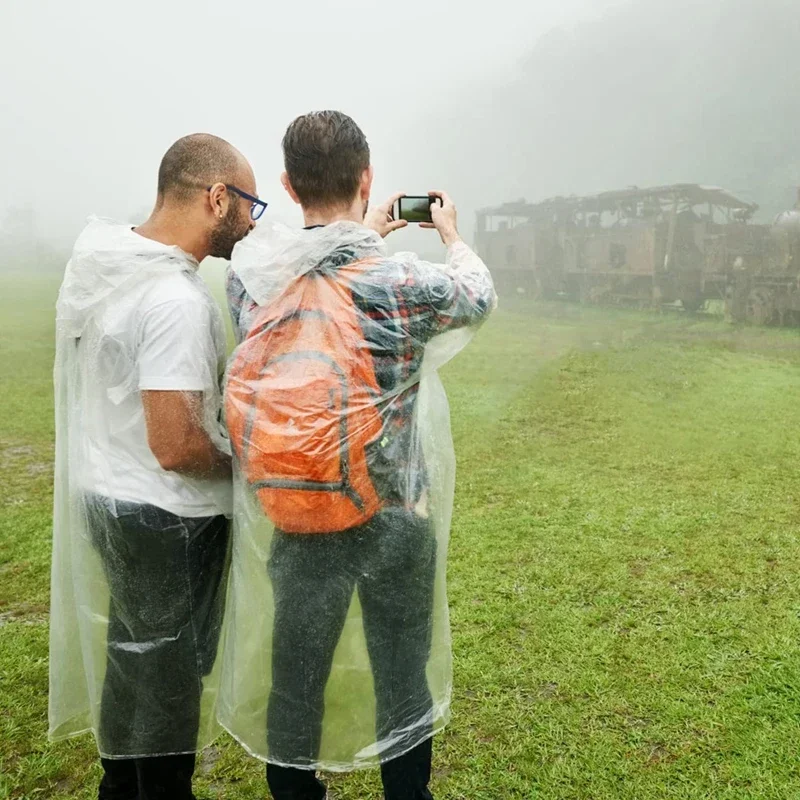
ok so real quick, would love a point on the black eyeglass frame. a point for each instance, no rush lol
(258, 206)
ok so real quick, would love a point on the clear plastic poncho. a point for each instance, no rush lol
(140, 555)
(337, 645)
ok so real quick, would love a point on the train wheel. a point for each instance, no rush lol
(735, 302)
(692, 304)
(585, 294)
(760, 306)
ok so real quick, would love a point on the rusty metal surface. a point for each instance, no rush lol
(687, 193)
(649, 246)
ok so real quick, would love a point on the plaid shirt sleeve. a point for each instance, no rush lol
(240, 305)
(459, 292)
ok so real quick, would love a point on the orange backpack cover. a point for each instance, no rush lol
(301, 406)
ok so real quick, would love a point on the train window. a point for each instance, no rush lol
(617, 256)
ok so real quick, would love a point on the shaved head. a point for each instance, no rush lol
(196, 162)
(205, 197)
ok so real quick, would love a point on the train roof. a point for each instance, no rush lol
(690, 193)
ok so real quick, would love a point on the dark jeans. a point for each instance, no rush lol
(391, 562)
(166, 577)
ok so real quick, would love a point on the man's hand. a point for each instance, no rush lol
(380, 218)
(444, 218)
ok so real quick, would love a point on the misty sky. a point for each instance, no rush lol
(94, 91)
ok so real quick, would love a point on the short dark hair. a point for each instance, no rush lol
(195, 162)
(325, 154)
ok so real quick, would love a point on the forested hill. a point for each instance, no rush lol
(655, 92)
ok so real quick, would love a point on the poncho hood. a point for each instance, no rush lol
(273, 254)
(107, 257)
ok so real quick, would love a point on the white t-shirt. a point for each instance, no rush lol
(164, 333)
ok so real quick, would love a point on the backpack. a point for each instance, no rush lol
(301, 406)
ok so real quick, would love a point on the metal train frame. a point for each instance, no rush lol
(684, 242)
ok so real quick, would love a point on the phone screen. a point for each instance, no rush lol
(415, 209)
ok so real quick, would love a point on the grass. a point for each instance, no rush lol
(624, 568)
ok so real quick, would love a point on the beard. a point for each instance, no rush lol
(232, 228)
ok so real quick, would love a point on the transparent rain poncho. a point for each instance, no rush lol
(337, 645)
(140, 554)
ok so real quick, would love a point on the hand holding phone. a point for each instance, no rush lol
(416, 208)
(444, 218)
(382, 218)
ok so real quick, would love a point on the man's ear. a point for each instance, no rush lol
(286, 183)
(218, 200)
(366, 183)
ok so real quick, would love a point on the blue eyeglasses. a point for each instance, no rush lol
(257, 208)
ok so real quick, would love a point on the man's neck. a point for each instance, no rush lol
(327, 216)
(175, 230)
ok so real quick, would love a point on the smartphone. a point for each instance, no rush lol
(416, 208)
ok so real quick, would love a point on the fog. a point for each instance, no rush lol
(94, 92)
(649, 93)
(493, 101)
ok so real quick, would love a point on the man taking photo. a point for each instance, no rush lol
(339, 646)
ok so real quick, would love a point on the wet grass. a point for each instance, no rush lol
(624, 570)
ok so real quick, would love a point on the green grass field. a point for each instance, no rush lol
(624, 567)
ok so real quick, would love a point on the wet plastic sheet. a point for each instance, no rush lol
(337, 644)
(139, 554)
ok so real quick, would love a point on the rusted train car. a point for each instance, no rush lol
(765, 288)
(664, 244)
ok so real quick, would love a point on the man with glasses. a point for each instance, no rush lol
(143, 492)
